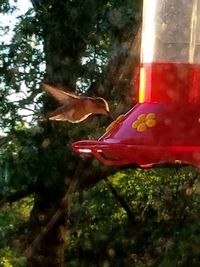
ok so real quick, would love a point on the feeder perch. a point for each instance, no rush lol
(164, 127)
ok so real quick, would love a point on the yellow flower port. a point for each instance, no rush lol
(144, 121)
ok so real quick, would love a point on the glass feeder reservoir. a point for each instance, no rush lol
(164, 127)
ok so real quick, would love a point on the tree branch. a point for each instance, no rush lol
(6, 201)
(5, 139)
(120, 200)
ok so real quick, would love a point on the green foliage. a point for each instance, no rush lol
(184, 251)
(5, 7)
(166, 227)
(12, 219)
(8, 258)
(13, 223)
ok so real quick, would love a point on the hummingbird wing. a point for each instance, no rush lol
(74, 112)
(62, 96)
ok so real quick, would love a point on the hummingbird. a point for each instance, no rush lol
(75, 108)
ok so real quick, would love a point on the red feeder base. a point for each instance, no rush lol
(149, 134)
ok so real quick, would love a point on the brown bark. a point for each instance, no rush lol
(48, 225)
(46, 241)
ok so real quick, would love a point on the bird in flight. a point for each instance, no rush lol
(75, 108)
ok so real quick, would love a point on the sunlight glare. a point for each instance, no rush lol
(148, 30)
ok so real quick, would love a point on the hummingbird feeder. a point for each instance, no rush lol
(164, 126)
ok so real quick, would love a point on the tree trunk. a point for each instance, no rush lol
(47, 231)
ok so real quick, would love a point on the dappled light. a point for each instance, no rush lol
(73, 79)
